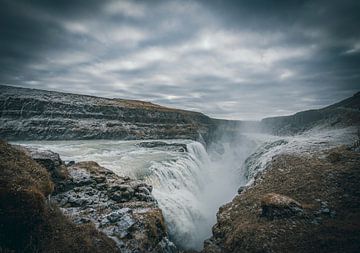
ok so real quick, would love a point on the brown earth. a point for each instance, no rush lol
(326, 185)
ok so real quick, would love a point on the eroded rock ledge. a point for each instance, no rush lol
(121, 208)
(299, 204)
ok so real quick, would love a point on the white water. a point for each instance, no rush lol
(189, 186)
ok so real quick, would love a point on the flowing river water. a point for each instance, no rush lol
(191, 185)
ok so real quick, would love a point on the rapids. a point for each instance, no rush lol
(189, 186)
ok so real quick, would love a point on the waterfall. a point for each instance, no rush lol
(189, 186)
(190, 190)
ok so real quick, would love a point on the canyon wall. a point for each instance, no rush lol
(30, 114)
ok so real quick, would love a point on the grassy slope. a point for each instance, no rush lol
(343, 113)
(332, 177)
(27, 222)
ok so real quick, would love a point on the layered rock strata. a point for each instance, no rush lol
(29, 114)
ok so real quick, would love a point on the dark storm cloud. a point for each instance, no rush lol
(228, 59)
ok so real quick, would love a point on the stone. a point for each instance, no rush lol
(165, 246)
(279, 206)
(122, 208)
(50, 160)
(241, 189)
(70, 163)
(180, 147)
(144, 190)
(100, 179)
(80, 177)
(116, 215)
(121, 196)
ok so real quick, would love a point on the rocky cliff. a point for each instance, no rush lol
(301, 203)
(47, 206)
(342, 114)
(30, 114)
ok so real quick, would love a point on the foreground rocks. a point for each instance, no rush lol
(121, 208)
(28, 222)
(279, 206)
(307, 203)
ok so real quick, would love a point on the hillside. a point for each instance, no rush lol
(30, 114)
(342, 114)
(29, 223)
(301, 203)
(48, 206)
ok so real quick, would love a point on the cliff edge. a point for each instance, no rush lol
(301, 203)
(31, 114)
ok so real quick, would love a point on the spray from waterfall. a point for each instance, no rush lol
(189, 186)
(191, 189)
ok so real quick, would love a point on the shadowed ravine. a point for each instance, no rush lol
(165, 190)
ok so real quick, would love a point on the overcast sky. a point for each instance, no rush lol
(227, 59)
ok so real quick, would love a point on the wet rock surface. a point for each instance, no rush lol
(180, 147)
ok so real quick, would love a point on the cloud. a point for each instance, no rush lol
(228, 59)
(125, 8)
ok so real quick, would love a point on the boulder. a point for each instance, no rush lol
(279, 206)
(180, 147)
(241, 189)
(51, 161)
(122, 208)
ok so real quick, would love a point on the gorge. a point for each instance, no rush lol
(193, 163)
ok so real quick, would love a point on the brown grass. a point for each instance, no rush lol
(27, 221)
(332, 177)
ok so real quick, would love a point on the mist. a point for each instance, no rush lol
(189, 186)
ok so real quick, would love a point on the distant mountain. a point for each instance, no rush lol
(31, 114)
(342, 114)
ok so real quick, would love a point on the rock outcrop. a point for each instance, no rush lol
(180, 147)
(315, 208)
(28, 222)
(279, 206)
(121, 208)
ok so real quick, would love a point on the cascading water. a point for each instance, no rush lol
(189, 186)
(180, 186)
(191, 189)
